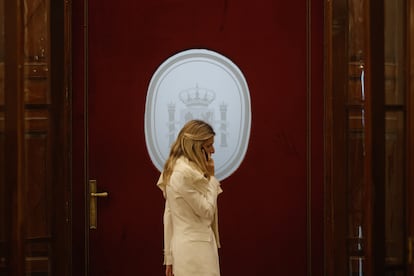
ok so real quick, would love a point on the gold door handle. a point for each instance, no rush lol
(93, 204)
(104, 194)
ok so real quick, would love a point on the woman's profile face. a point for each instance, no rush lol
(208, 146)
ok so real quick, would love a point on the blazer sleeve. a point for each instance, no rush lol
(201, 196)
(167, 235)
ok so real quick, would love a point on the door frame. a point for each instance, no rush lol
(410, 135)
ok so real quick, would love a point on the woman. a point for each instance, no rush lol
(190, 191)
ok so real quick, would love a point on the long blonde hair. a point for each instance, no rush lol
(189, 143)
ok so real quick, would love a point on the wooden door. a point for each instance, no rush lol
(265, 210)
(34, 138)
(369, 140)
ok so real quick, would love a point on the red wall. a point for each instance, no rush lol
(264, 209)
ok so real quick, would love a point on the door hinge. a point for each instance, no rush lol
(67, 95)
(67, 212)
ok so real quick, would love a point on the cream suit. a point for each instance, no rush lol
(190, 221)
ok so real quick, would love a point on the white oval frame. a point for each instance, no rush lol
(202, 84)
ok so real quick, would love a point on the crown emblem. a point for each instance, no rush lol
(197, 96)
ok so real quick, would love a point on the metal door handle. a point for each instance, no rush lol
(93, 204)
(104, 194)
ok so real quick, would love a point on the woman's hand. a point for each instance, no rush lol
(208, 150)
(168, 270)
(210, 165)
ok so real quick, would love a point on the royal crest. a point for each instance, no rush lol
(199, 84)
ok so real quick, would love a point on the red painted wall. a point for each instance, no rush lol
(264, 209)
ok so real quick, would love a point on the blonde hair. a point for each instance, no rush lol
(189, 143)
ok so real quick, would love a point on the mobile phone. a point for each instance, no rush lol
(205, 153)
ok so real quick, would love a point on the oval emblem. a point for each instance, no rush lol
(199, 84)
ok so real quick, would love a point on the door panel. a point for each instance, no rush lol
(37, 187)
(263, 210)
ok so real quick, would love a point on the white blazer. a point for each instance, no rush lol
(190, 221)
